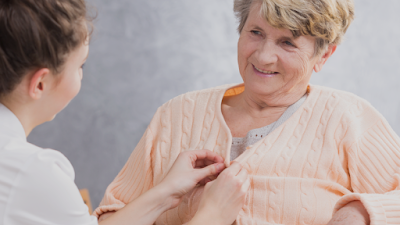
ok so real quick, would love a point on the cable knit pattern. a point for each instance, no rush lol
(334, 149)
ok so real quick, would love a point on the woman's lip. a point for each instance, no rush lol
(261, 74)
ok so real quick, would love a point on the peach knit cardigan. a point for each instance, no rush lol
(334, 149)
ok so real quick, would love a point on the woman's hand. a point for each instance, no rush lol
(224, 197)
(353, 213)
(189, 169)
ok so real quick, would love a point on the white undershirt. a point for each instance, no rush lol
(36, 185)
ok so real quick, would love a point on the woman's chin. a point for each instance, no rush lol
(262, 88)
(265, 83)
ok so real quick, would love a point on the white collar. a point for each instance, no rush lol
(10, 125)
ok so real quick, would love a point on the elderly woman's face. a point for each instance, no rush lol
(271, 60)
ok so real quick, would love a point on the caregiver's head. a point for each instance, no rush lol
(282, 41)
(43, 45)
(38, 34)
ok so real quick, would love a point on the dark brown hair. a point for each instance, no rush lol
(38, 34)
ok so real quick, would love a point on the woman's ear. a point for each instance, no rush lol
(321, 62)
(38, 83)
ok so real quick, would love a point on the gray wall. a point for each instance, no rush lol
(145, 52)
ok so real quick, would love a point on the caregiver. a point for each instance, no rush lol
(43, 46)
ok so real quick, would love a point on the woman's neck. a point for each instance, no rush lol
(276, 103)
(247, 111)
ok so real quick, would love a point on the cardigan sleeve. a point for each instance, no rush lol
(373, 165)
(136, 177)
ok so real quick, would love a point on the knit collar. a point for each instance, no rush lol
(10, 125)
(234, 89)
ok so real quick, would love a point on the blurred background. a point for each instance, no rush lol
(144, 53)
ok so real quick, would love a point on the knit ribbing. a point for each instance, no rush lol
(334, 149)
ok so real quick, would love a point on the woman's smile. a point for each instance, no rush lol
(264, 73)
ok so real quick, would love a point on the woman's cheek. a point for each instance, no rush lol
(302, 63)
(242, 63)
(241, 58)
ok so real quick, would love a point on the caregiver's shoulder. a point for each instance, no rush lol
(23, 157)
(39, 187)
(32, 172)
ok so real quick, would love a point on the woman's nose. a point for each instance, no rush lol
(267, 53)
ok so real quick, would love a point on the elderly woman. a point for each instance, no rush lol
(316, 155)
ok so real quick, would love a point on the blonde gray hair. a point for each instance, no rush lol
(327, 20)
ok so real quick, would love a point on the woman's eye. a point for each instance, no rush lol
(288, 43)
(255, 32)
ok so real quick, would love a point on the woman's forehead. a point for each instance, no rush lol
(255, 20)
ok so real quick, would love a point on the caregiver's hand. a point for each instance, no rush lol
(223, 198)
(189, 169)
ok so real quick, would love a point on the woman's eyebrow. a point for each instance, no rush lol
(257, 27)
(287, 37)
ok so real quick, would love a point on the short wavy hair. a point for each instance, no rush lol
(327, 20)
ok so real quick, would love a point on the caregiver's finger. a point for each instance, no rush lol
(206, 155)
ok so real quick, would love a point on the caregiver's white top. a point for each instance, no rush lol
(36, 185)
